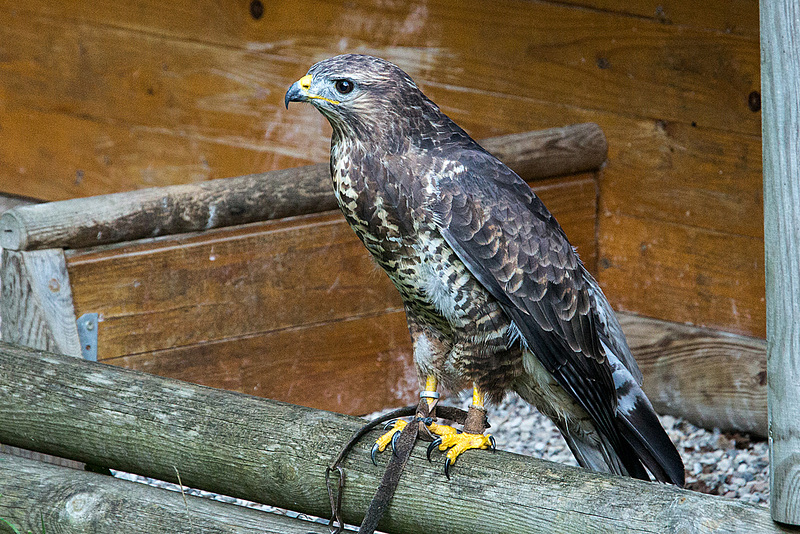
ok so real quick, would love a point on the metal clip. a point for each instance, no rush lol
(87, 334)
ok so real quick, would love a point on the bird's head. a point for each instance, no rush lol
(358, 94)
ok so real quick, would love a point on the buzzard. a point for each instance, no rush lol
(495, 296)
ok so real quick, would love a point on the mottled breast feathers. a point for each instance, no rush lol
(512, 244)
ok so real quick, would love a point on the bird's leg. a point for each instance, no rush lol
(396, 427)
(471, 438)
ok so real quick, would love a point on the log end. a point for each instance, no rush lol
(12, 231)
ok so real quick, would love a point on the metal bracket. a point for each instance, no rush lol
(87, 334)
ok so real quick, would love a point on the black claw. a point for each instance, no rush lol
(389, 424)
(373, 453)
(435, 443)
(447, 464)
(493, 443)
(395, 437)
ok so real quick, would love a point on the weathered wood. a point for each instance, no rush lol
(42, 498)
(84, 222)
(780, 65)
(277, 453)
(692, 176)
(36, 305)
(39, 457)
(710, 378)
(12, 201)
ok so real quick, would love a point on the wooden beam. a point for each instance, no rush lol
(712, 379)
(38, 497)
(780, 67)
(84, 222)
(277, 453)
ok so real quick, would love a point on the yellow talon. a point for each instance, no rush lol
(458, 443)
(441, 430)
(385, 439)
(382, 442)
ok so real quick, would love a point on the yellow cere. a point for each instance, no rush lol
(305, 85)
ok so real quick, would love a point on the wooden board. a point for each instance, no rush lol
(684, 274)
(201, 95)
(728, 16)
(355, 366)
(691, 176)
(286, 309)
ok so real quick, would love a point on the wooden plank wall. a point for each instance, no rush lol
(102, 97)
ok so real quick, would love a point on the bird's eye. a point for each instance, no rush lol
(344, 86)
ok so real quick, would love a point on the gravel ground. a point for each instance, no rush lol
(732, 465)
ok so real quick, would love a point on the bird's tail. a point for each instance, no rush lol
(643, 435)
(639, 440)
(640, 443)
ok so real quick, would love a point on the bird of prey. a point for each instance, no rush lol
(495, 296)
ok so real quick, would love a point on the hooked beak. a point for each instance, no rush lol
(298, 92)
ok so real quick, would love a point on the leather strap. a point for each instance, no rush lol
(391, 477)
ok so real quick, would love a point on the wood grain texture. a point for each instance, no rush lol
(710, 378)
(36, 304)
(694, 176)
(39, 497)
(730, 16)
(780, 49)
(233, 282)
(195, 91)
(354, 366)
(272, 452)
(117, 217)
(683, 274)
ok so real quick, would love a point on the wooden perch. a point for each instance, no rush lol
(276, 453)
(84, 222)
(33, 494)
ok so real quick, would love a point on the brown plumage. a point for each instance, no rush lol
(494, 293)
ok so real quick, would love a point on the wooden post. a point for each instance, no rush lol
(780, 90)
(276, 453)
(38, 497)
(36, 304)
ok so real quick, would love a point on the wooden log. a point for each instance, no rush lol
(38, 497)
(276, 453)
(780, 66)
(712, 379)
(84, 222)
